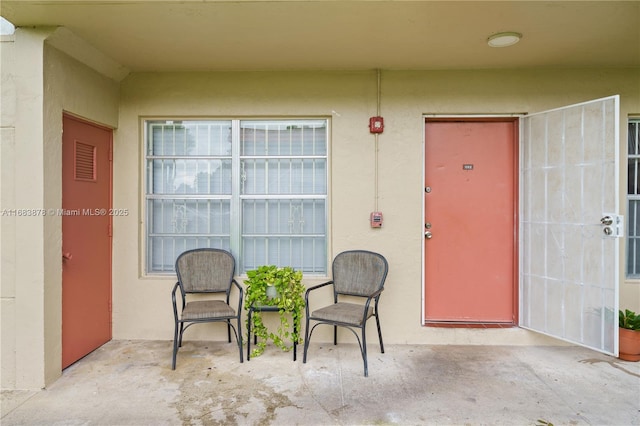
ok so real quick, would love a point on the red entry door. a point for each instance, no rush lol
(86, 238)
(470, 231)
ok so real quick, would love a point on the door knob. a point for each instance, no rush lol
(67, 256)
(428, 235)
(607, 220)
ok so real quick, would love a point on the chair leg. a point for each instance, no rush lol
(249, 334)
(379, 333)
(335, 335)
(180, 334)
(364, 350)
(229, 330)
(175, 347)
(295, 342)
(239, 337)
(306, 341)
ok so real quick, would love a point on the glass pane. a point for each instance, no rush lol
(284, 176)
(179, 225)
(189, 138)
(283, 217)
(186, 176)
(632, 176)
(284, 232)
(283, 138)
(163, 250)
(632, 138)
(306, 254)
(633, 239)
(206, 216)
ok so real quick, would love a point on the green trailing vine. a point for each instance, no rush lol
(289, 299)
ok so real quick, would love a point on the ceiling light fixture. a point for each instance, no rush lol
(504, 39)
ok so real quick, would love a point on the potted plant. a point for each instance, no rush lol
(279, 287)
(629, 348)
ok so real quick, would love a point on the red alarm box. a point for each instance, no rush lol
(376, 219)
(376, 124)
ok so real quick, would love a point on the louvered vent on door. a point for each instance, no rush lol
(85, 162)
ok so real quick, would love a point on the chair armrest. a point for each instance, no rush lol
(309, 290)
(241, 295)
(315, 287)
(375, 296)
(173, 299)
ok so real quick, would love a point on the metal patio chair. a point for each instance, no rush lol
(205, 271)
(357, 273)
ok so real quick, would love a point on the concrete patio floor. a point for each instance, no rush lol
(131, 383)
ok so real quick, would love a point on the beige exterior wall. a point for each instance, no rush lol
(7, 200)
(142, 304)
(38, 85)
(42, 82)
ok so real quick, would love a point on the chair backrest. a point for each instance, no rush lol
(359, 272)
(205, 270)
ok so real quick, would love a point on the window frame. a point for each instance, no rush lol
(628, 267)
(236, 197)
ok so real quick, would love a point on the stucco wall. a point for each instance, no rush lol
(38, 85)
(7, 200)
(41, 83)
(142, 304)
(70, 87)
(23, 356)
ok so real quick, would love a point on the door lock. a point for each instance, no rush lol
(613, 225)
(428, 235)
(607, 221)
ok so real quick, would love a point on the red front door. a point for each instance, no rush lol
(470, 231)
(86, 238)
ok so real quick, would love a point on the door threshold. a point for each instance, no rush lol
(468, 324)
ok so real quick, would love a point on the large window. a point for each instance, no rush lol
(633, 199)
(255, 187)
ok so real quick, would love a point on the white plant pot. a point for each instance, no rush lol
(271, 292)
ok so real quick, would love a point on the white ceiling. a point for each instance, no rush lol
(195, 35)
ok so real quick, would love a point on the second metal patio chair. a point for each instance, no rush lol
(357, 273)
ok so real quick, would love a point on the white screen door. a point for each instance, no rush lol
(569, 194)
